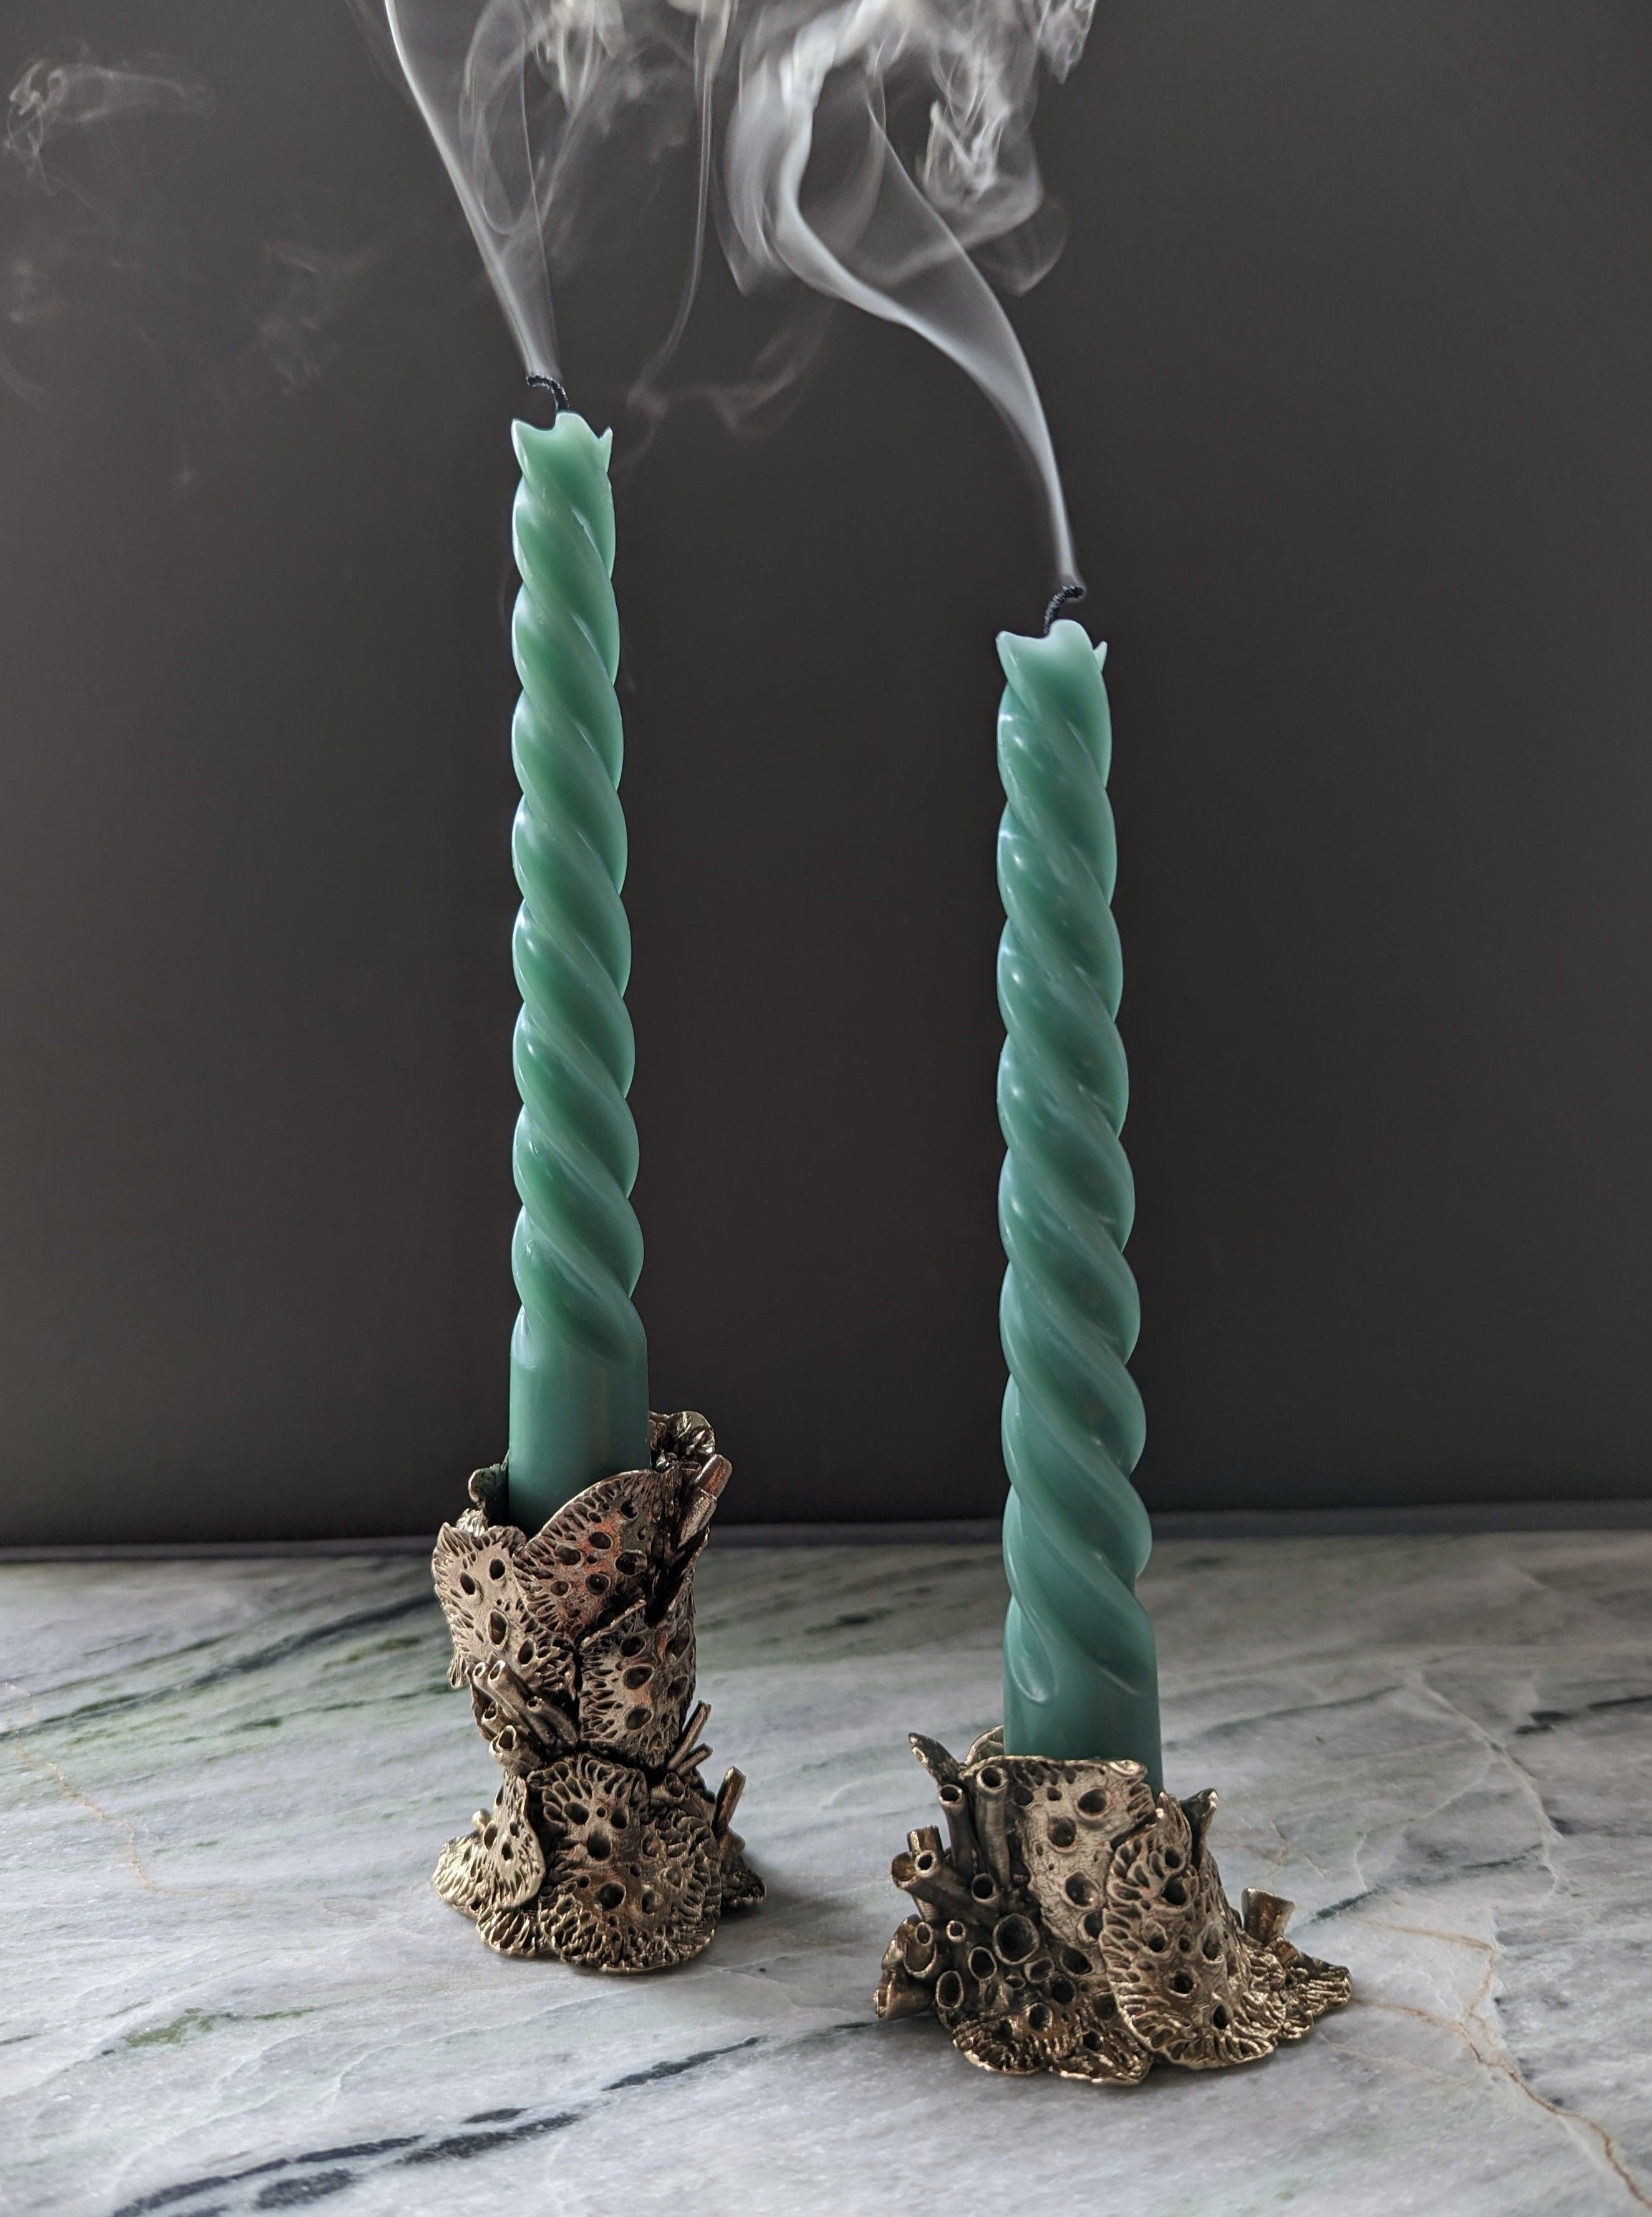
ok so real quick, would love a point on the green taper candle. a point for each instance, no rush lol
(1080, 1676)
(578, 1358)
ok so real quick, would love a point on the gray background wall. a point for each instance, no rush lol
(1347, 361)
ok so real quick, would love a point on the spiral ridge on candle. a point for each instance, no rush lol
(577, 1249)
(1080, 1676)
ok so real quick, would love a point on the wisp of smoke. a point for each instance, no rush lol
(54, 96)
(102, 247)
(874, 149)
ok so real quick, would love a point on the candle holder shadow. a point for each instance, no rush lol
(1076, 1923)
(604, 1847)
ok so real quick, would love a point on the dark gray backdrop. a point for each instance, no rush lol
(1347, 361)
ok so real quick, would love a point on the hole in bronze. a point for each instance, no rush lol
(1014, 1938)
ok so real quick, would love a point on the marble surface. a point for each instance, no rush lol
(226, 1986)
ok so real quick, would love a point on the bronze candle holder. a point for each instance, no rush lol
(1076, 1923)
(604, 1847)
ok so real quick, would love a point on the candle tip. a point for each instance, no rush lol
(1071, 591)
(542, 383)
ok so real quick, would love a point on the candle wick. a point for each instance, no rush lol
(1058, 601)
(553, 385)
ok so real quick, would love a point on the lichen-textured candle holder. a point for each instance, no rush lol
(1076, 1923)
(604, 1847)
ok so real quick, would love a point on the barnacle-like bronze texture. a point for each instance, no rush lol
(1074, 1923)
(604, 1847)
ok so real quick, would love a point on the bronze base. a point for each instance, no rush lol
(1077, 1924)
(604, 1847)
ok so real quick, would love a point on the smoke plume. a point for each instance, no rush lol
(875, 151)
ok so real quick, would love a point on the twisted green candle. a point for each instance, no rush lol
(578, 1358)
(1079, 1678)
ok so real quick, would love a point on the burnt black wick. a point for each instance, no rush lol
(554, 386)
(1058, 601)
